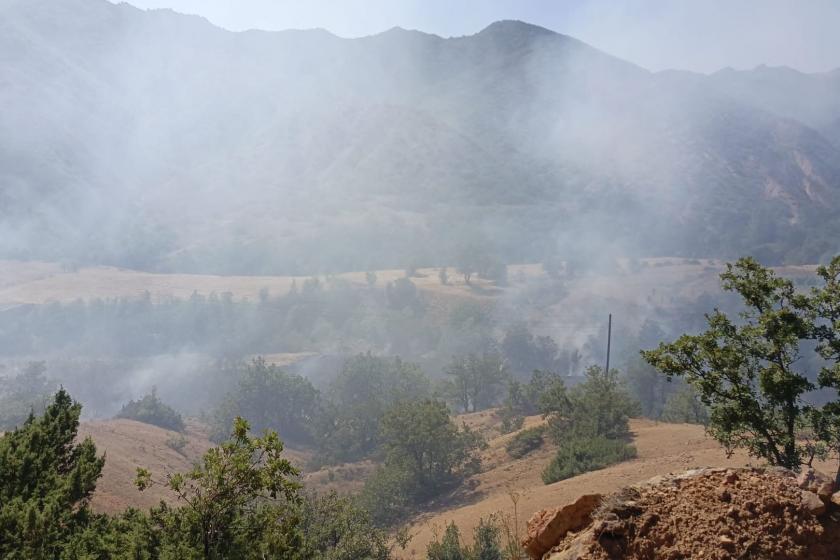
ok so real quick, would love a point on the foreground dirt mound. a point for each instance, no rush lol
(706, 513)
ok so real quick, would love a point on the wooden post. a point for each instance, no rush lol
(609, 337)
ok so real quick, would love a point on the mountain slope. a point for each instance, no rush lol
(157, 141)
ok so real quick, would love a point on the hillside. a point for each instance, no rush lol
(663, 448)
(157, 141)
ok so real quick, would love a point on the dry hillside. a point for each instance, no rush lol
(662, 448)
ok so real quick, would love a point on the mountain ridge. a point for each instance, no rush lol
(152, 140)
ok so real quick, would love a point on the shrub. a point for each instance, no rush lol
(525, 441)
(579, 455)
(511, 421)
(151, 410)
(177, 443)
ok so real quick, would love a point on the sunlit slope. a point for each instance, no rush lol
(662, 448)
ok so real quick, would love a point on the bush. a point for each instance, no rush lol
(151, 410)
(579, 455)
(511, 421)
(525, 441)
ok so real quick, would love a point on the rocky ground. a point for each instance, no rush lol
(718, 513)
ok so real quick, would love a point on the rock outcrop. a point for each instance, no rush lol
(547, 527)
(706, 513)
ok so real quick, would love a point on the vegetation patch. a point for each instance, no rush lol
(580, 455)
(526, 441)
(151, 410)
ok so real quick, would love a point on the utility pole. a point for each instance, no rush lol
(609, 337)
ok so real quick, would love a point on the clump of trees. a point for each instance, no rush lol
(476, 381)
(748, 372)
(46, 482)
(534, 397)
(270, 398)
(243, 500)
(151, 410)
(589, 423)
(349, 425)
(426, 454)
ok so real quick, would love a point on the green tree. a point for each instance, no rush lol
(366, 387)
(477, 380)
(335, 528)
(235, 503)
(599, 407)
(271, 399)
(425, 454)
(746, 372)
(826, 304)
(46, 481)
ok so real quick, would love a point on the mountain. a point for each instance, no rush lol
(155, 140)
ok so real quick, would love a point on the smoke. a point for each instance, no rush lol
(156, 141)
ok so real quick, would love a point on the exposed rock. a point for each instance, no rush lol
(546, 528)
(816, 482)
(812, 503)
(725, 513)
(835, 499)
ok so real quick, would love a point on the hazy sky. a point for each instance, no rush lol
(701, 35)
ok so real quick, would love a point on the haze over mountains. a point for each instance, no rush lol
(155, 140)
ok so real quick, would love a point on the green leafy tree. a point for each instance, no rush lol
(333, 527)
(271, 399)
(600, 406)
(46, 481)
(476, 381)
(545, 391)
(826, 303)
(349, 428)
(151, 410)
(746, 372)
(425, 454)
(235, 503)
(590, 423)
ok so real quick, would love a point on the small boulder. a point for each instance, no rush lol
(812, 503)
(835, 499)
(816, 482)
(546, 528)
